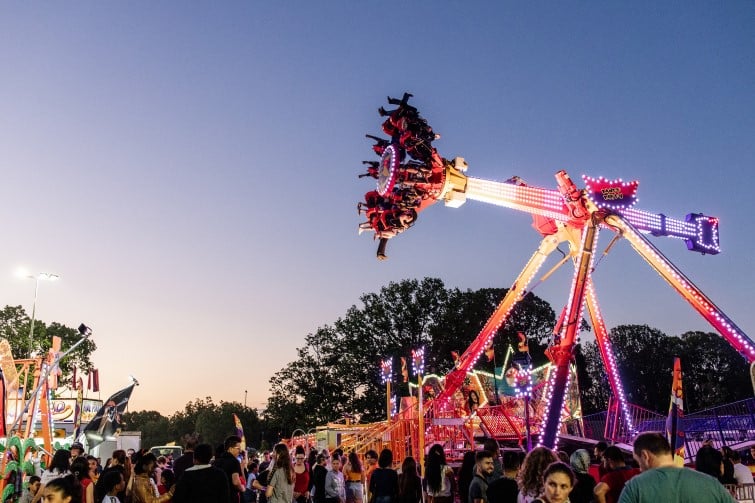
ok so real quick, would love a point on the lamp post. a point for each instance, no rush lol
(418, 364)
(44, 276)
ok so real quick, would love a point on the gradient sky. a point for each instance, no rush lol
(190, 168)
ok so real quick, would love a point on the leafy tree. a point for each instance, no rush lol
(714, 373)
(337, 371)
(152, 425)
(15, 326)
(213, 422)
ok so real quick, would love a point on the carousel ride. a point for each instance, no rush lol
(411, 176)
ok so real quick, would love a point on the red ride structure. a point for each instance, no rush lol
(411, 176)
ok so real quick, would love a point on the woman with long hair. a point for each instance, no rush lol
(409, 483)
(80, 470)
(466, 474)
(439, 476)
(280, 486)
(301, 476)
(558, 482)
(384, 480)
(531, 473)
(354, 478)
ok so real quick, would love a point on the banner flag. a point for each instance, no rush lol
(77, 411)
(106, 424)
(674, 427)
(239, 431)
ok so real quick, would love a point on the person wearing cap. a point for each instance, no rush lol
(77, 449)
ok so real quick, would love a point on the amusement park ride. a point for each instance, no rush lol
(27, 387)
(411, 176)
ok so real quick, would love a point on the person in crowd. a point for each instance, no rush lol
(31, 490)
(742, 474)
(202, 482)
(64, 489)
(80, 470)
(599, 469)
(491, 445)
(505, 489)
(301, 474)
(727, 471)
(108, 486)
(661, 480)
(229, 463)
(311, 462)
(144, 489)
(266, 459)
(263, 477)
(335, 492)
(613, 482)
(478, 488)
(558, 482)
(77, 449)
(439, 477)
(466, 474)
(167, 480)
(280, 487)
(319, 476)
(94, 468)
(250, 494)
(162, 463)
(585, 483)
(710, 461)
(384, 480)
(185, 460)
(121, 463)
(354, 477)
(409, 482)
(338, 453)
(370, 463)
(60, 466)
(531, 474)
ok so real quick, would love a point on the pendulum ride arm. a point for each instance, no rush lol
(455, 377)
(688, 290)
(561, 352)
(606, 352)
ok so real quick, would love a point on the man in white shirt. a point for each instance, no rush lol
(741, 472)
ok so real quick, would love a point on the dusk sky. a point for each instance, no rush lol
(190, 169)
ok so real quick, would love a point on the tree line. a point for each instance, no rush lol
(337, 369)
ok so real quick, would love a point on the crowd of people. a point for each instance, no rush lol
(225, 475)
(489, 476)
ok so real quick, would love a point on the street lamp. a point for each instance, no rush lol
(418, 366)
(46, 276)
